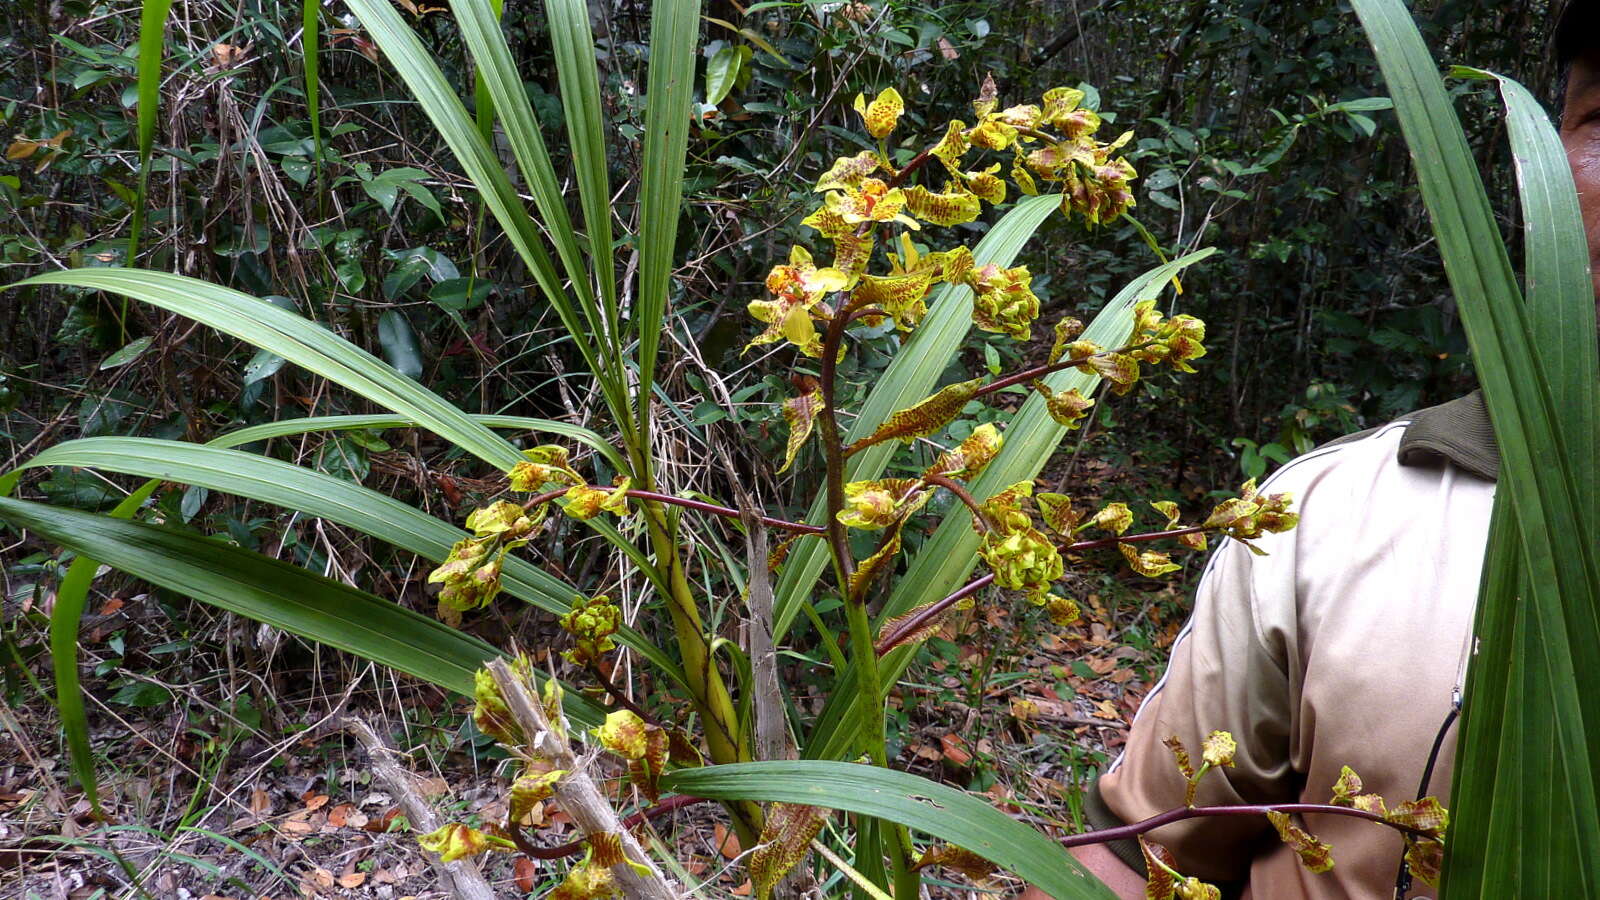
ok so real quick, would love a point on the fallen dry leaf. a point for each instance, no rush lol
(340, 815)
(955, 749)
(526, 873)
(727, 841)
(352, 879)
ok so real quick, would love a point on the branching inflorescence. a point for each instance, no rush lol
(1025, 536)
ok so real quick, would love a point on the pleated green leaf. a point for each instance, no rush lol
(310, 43)
(72, 598)
(948, 558)
(909, 378)
(272, 592)
(289, 427)
(1524, 791)
(669, 86)
(415, 65)
(152, 45)
(927, 806)
(300, 341)
(314, 494)
(579, 82)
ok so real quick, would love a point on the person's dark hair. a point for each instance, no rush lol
(1580, 19)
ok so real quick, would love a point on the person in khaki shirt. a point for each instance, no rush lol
(1347, 644)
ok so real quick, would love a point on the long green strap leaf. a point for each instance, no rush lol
(289, 427)
(416, 67)
(907, 380)
(72, 598)
(669, 86)
(1560, 287)
(927, 806)
(947, 559)
(310, 43)
(300, 341)
(152, 44)
(578, 77)
(272, 592)
(314, 494)
(480, 28)
(1524, 833)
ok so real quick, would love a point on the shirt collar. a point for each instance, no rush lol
(1458, 432)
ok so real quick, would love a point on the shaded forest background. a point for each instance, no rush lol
(1258, 128)
(1326, 310)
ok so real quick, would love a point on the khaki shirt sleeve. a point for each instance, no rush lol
(1230, 670)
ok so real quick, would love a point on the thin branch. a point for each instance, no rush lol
(700, 505)
(913, 624)
(461, 875)
(577, 793)
(1106, 835)
(573, 848)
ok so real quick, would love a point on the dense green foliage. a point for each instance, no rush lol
(1259, 130)
(1333, 315)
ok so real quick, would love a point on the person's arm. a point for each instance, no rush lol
(1109, 868)
(1230, 671)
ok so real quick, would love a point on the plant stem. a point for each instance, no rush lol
(686, 503)
(833, 454)
(965, 496)
(1123, 832)
(870, 699)
(1040, 371)
(707, 689)
(916, 622)
(617, 694)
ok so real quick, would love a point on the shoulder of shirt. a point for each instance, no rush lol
(1456, 433)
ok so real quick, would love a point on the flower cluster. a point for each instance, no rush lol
(471, 573)
(591, 622)
(1052, 142)
(1422, 824)
(1252, 514)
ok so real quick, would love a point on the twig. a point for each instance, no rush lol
(572, 848)
(460, 876)
(702, 506)
(914, 623)
(577, 793)
(1106, 835)
(772, 729)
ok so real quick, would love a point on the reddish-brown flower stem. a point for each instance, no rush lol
(865, 311)
(833, 450)
(1124, 832)
(617, 694)
(573, 848)
(1133, 538)
(965, 496)
(915, 623)
(917, 162)
(1027, 375)
(711, 508)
